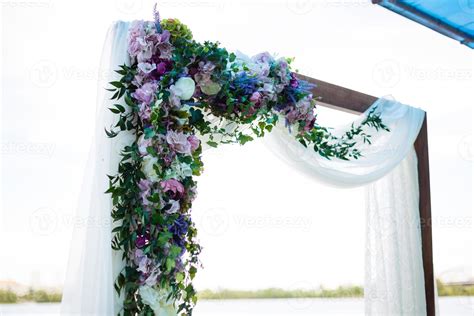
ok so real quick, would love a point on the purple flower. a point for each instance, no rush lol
(142, 240)
(144, 112)
(173, 186)
(145, 189)
(146, 93)
(194, 142)
(256, 98)
(178, 142)
(179, 229)
(142, 261)
(136, 32)
(161, 68)
(294, 81)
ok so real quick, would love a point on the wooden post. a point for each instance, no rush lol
(421, 148)
(347, 100)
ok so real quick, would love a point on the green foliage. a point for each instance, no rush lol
(454, 290)
(8, 297)
(177, 29)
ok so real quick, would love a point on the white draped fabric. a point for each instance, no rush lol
(394, 269)
(394, 278)
(93, 266)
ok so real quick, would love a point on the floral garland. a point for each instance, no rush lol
(174, 90)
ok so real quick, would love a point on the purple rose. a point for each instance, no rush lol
(146, 93)
(178, 142)
(194, 142)
(173, 186)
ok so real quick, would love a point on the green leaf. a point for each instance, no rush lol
(116, 84)
(179, 277)
(212, 144)
(244, 139)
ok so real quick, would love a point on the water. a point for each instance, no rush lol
(449, 306)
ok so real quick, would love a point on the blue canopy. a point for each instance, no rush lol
(453, 18)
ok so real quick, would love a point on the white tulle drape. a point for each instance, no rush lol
(93, 266)
(394, 269)
(394, 277)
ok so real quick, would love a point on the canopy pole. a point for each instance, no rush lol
(352, 101)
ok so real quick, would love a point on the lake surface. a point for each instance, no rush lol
(449, 306)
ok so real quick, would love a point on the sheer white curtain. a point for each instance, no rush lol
(394, 274)
(394, 278)
(93, 266)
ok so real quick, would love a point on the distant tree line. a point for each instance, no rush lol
(42, 296)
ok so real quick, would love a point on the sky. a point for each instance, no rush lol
(261, 223)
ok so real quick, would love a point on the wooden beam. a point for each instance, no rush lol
(348, 100)
(421, 148)
(340, 98)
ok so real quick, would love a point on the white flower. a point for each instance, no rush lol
(210, 87)
(184, 88)
(147, 168)
(146, 67)
(178, 170)
(143, 144)
(174, 207)
(156, 299)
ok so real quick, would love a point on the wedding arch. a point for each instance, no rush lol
(171, 98)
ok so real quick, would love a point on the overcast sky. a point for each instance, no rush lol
(261, 223)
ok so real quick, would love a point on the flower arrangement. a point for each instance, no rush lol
(175, 90)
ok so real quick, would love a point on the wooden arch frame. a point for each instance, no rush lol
(347, 100)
